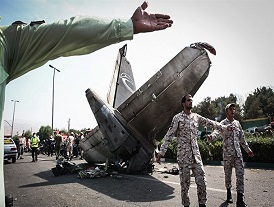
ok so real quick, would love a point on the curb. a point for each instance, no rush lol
(220, 163)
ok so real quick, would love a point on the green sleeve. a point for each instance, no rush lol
(28, 47)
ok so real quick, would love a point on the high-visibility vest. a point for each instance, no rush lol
(34, 142)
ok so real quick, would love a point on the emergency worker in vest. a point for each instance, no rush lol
(25, 47)
(184, 127)
(232, 154)
(34, 143)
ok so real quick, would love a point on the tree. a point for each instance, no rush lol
(28, 134)
(215, 109)
(221, 103)
(44, 132)
(206, 108)
(260, 104)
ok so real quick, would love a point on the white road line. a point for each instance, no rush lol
(174, 183)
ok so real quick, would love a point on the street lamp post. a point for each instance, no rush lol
(13, 117)
(54, 69)
(8, 124)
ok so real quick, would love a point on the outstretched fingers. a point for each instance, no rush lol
(163, 16)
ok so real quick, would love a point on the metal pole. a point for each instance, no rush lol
(13, 117)
(52, 112)
(52, 115)
(8, 123)
(68, 125)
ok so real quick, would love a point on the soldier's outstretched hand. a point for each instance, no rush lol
(158, 159)
(145, 22)
(250, 154)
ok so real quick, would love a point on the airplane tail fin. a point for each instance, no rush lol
(122, 84)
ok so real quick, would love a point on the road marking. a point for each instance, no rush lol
(175, 183)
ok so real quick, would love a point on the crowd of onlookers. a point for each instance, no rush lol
(58, 144)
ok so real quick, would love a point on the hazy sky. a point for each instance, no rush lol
(242, 33)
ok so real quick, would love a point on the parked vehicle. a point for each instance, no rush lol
(10, 150)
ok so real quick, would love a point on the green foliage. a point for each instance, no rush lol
(215, 109)
(262, 147)
(171, 152)
(216, 148)
(206, 108)
(205, 150)
(259, 104)
(44, 132)
(28, 134)
(211, 151)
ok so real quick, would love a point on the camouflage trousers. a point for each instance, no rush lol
(237, 163)
(200, 180)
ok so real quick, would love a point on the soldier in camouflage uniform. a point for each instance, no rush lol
(184, 127)
(232, 155)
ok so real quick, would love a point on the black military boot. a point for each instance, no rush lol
(240, 200)
(202, 205)
(228, 196)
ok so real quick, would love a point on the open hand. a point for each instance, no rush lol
(145, 22)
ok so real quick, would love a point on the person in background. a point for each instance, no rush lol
(80, 148)
(34, 142)
(58, 140)
(22, 144)
(76, 145)
(50, 145)
(184, 127)
(204, 133)
(69, 146)
(232, 155)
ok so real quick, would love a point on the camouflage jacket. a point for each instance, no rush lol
(232, 140)
(185, 128)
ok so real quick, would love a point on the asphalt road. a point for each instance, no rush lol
(34, 185)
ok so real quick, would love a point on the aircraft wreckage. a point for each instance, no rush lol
(132, 121)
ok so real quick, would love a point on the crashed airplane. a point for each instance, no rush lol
(133, 120)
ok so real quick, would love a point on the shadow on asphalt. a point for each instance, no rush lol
(130, 188)
(224, 204)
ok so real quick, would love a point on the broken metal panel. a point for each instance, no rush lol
(157, 83)
(139, 161)
(122, 141)
(109, 126)
(150, 109)
(98, 154)
(95, 147)
(98, 137)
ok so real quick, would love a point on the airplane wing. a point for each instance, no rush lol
(151, 108)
